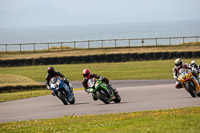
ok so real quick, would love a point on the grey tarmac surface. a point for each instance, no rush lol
(137, 95)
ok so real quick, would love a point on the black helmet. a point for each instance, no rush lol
(50, 70)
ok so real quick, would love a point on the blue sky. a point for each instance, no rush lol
(19, 13)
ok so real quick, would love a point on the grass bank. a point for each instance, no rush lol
(183, 120)
(15, 80)
(159, 69)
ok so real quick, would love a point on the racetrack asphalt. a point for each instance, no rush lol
(137, 95)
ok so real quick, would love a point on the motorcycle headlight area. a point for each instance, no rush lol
(55, 86)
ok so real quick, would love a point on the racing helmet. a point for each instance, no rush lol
(86, 73)
(178, 62)
(192, 62)
(50, 70)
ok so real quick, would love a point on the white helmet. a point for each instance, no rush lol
(192, 62)
(178, 62)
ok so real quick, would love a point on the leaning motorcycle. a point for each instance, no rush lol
(189, 82)
(102, 91)
(62, 91)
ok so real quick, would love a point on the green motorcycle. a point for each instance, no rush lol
(102, 91)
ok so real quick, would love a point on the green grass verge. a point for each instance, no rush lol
(183, 120)
(4, 97)
(22, 95)
(160, 69)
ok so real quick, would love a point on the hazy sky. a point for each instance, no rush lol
(15, 13)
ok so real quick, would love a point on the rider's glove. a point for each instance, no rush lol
(86, 90)
(100, 78)
(48, 87)
(175, 77)
(66, 80)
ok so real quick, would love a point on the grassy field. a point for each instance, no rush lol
(183, 120)
(160, 69)
(77, 52)
(16, 95)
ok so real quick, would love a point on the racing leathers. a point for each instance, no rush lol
(85, 80)
(85, 83)
(56, 74)
(195, 70)
(176, 73)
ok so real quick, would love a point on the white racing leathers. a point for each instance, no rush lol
(176, 73)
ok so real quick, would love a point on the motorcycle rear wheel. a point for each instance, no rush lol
(198, 93)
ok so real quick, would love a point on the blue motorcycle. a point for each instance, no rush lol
(62, 91)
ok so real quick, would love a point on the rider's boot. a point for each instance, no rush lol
(71, 92)
(114, 89)
(70, 88)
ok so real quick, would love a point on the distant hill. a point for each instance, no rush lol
(42, 15)
(47, 15)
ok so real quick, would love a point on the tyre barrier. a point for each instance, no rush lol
(100, 58)
(165, 55)
(196, 54)
(172, 55)
(148, 56)
(156, 56)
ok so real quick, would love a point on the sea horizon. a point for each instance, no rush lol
(99, 32)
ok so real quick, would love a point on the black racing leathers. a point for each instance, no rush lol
(85, 80)
(55, 73)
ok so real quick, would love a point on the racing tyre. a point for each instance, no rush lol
(102, 96)
(190, 90)
(62, 97)
(198, 93)
(72, 101)
(117, 98)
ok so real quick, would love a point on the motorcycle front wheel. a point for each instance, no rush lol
(117, 98)
(62, 97)
(72, 101)
(102, 96)
(190, 89)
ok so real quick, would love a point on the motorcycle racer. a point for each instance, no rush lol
(87, 75)
(52, 73)
(178, 65)
(195, 68)
(193, 64)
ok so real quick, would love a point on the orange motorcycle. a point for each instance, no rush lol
(189, 82)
